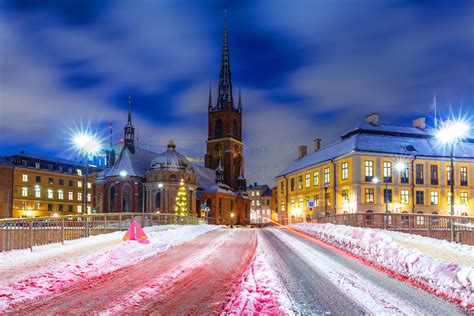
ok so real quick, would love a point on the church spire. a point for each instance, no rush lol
(129, 130)
(240, 101)
(225, 84)
(210, 96)
(129, 110)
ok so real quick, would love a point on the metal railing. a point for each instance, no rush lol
(435, 226)
(23, 233)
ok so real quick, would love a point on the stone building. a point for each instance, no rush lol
(261, 203)
(6, 186)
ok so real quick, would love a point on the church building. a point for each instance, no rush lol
(139, 180)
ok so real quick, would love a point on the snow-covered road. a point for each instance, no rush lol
(321, 280)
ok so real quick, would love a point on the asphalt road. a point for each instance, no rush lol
(320, 281)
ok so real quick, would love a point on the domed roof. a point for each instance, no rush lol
(171, 160)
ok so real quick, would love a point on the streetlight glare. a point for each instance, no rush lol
(453, 131)
(375, 180)
(400, 166)
(123, 173)
(87, 143)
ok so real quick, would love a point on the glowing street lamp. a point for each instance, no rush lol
(123, 173)
(450, 134)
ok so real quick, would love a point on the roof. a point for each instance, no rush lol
(384, 139)
(48, 159)
(134, 164)
(257, 186)
(267, 192)
(4, 162)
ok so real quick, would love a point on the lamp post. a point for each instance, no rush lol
(450, 134)
(326, 186)
(232, 219)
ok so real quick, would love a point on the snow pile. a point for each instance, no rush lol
(259, 291)
(379, 248)
(95, 263)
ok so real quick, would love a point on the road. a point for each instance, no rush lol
(196, 277)
(319, 280)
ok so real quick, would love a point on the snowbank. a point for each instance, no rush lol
(96, 262)
(379, 247)
(259, 291)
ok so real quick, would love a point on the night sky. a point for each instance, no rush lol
(307, 69)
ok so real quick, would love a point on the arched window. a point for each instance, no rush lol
(219, 133)
(158, 200)
(112, 192)
(235, 129)
(127, 198)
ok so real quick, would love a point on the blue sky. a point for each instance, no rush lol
(307, 69)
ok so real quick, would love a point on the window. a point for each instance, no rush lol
(51, 181)
(307, 180)
(292, 184)
(449, 198)
(126, 198)
(257, 193)
(387, 196)
(69, 208)
(369, 170)
(387, 171)
(60, 168)
(24, 191)
(420, 220)
(71, 183)
(327, 175)
(258, 203)
(79, 208)
(300, 203)
(37, 165)
(69, 170)
(345, 170)
(60, 194)
(61, 181)
(50, 194)
(79, 196)
(219, 129)
(420, 197)
(300, 182)
(71, 195)
(448, 175)
(253, 193)
(50, 207)
(369, 195)
(316, 200)
(79, 172)
(24, 205)
(404, 174)
(89, 185)
(24, 163)
(404, 196)
(419, 174)
(37, 192)
(345, 196)
(38, 179)
(24, 178)
(60, 208)
(282, 206)
(112, 198)
(434, 198)
(37, 206)
(463, 176)
(253, 202)
(464, 199)
(316, 178)
(282, 187)
(328, 198)
(79, 184)
(434, 174)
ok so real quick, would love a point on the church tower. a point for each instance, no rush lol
(129, 130)
(224, 142)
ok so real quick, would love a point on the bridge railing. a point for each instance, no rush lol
(23, 233)
(452, 228)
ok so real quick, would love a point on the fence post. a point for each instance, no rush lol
(86, 226)
(120, 222)
(30, 228)
(62, 230)
(143, 220)
(429, 225)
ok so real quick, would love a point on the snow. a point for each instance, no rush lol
(379, 247)
(259, 291)
(51, 268)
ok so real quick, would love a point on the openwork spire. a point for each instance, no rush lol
(129, 122)
(225, 84)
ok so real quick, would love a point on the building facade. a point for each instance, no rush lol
(43, 186)
(376, 168)
(6, 188)
(260, 203)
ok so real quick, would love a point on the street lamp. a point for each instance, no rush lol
(326, 186)
(232, 219)
(88, 145)
(450, 134)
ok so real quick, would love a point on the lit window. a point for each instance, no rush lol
(79, 196)
(50, 194)
(345, 196)
(24, 191)
(24, 205)
(300, 182)
(282, 206)
(316, 178)
(60, 194)
(79, 208)
(258, 193)
(327, 175)
(292, 184)
(345, 171)
(434, 198)
(89, 197)
(24, 178)
(449, 198)
(37, 192)
(253, 202)
(463, 176)
(89, 185)
(258, 203)
(387, 171)
(369, 170)
(369, 195)
(89, 209)
(79, 184)
(37, 206)
(37, 165)
(404, 196)
(316, 200)
(71, 195)
(464, 199)
(307, 180)
(282, 187)
(79, 172)
(300, 203)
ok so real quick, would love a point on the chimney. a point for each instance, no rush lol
(255, 183)
(372, 119)
(317, 144)
(302, 151)
(419, 122)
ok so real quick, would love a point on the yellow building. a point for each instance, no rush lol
(377, 167)
(45, 186)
